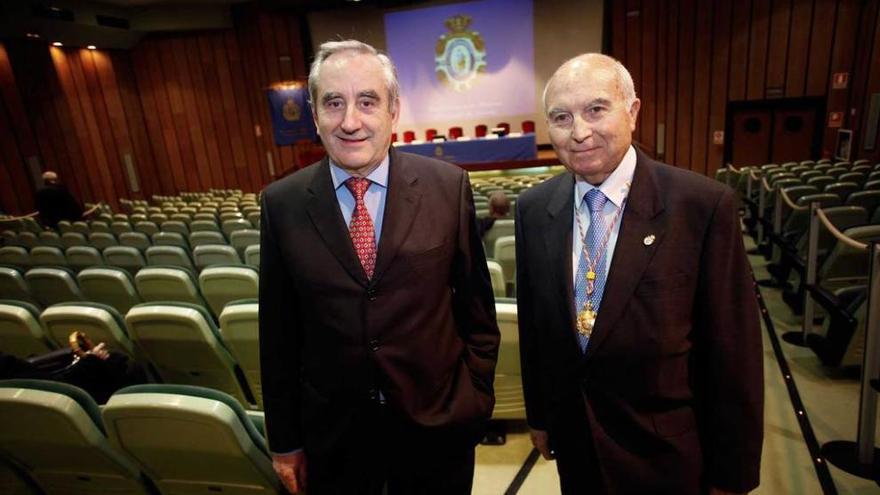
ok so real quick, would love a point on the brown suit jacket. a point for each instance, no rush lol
(422, 330)
(671, 385)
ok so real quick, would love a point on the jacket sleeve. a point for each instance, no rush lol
(279, 341)
(473, 299)
(729, 356)
(532, 390)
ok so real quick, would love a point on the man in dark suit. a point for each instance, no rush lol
(639, 332)
(378, 338)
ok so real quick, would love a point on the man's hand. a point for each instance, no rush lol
(291, 468)
(541, 441)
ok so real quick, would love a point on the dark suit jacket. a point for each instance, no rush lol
(672, 381)
(422, 331)
(55, 203)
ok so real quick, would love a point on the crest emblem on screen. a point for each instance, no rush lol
(291, 111)
(460, 55)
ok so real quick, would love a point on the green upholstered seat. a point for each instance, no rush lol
(239, 329)
(21, 333)
(109, 285)
(509, 401)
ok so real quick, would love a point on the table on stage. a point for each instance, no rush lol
(478, 150)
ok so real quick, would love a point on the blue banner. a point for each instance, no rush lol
(291, 115)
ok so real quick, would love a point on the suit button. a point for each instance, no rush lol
(371, 294)
(374, 345)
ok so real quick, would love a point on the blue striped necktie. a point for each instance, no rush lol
(595, 201)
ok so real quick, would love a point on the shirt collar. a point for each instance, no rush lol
(616, 186)
(377, 176)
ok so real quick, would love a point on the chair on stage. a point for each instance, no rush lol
(430, 134)
(455, 132)
(409, 136)
(481, 130)
(528, 126)
(505, 126)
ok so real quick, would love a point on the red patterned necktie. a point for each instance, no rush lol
(363, 234)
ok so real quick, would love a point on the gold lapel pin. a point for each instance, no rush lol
(649, 239)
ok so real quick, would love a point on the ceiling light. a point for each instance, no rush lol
(57, 43)
(32, 35)
(92, 47)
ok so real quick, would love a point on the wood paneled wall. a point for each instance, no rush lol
(689, 59)
(188, 111)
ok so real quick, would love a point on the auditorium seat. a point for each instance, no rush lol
(137, 240)
(496, 275)
(16, 256)
(505, 253)
(168, 283)
(147, 228)
(170, 239)
(845, 265)
(21, 333)
(215, 254)
(59, 437)
(169, 255)
(455, 132)
(109, 285)
(175, 226)
(120, 227)
(81, 257)
(81, 227)
(184, 346)
(100, 322)
(241, 239)
(205, 237)
(221, 284)
(53, 285)
(230, 226)
(102, 240)
(842, 189)
(501, 228)
(509, 402)
(182, 217)
(409, 136)
(191, 440)
(48, 238)
(869, 200)
(70, 239)
(126, 257)
(252, 256)
(240, 329)
(14, 286)
(481, 130)
(28, 239)
(528, 126)
(854, 177)
(48, 256)
(100, 227)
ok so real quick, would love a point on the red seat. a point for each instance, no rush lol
(393, 137)
(528, 126)
(409, 136)
(455, 132)
(481, 130)
(429, 134)
(506, 127)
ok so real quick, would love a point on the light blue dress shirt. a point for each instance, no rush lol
(374, 198)
(616, 189)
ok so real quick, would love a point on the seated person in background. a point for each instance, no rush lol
(95, 370)
(55, 203)
(499, 207)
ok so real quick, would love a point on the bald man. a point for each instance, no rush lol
(639, 331)
(55, 203)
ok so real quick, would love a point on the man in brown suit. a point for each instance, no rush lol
(378, 339)
(639, 332)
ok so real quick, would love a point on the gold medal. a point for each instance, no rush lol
(586, 319)
(591, 275)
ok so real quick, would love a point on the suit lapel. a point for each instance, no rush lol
(557, 242)
(641, 219)
(323, 209)
(401, 208)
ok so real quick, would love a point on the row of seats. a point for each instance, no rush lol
(147, 440)
(141, 239)
(213, 288)
(778, 201)
(173, 342)
(130, 258)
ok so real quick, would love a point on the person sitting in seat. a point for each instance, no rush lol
(499, 207)
(55, 203)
